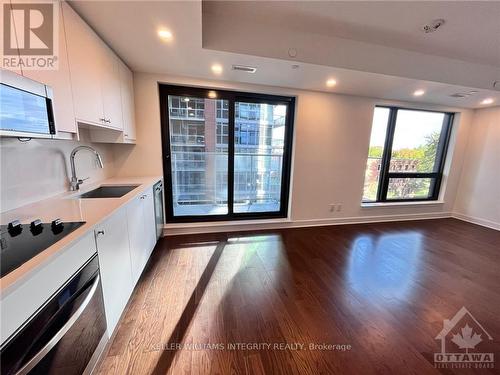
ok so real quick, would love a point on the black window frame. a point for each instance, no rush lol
(232, 97)
(436, 177)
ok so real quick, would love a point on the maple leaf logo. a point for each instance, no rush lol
(466, 340)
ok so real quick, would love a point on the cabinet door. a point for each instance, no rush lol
(135, 221)
(149, 221)
(128, 109)
(111, 95)
(84, 53)
(60, 82)
(114, 260)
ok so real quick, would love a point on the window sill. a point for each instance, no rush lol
(401, 204)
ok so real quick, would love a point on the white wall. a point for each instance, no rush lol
(331, 146)
(40, 168)
(478, 197)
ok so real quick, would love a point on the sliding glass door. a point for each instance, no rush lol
(259, 145)
(198, 155)
(226, 154)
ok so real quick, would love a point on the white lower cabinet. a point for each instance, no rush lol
(141, 230)
(124, 243)
(114, 262)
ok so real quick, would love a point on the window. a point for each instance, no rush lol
(406, 155)
(225, 157)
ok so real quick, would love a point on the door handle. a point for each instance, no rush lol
(59, 335)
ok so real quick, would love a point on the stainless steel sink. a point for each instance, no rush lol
(114, 191)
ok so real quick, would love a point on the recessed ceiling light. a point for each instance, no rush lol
(217, 69)
(165, 34)
(331, 82)
(487, 101)
(418, 93)
(212, 94)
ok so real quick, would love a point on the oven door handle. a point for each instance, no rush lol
(59, 335)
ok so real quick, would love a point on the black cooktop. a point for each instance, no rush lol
(21, 242)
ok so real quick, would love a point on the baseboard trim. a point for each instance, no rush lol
(238, 226)
(476, 220)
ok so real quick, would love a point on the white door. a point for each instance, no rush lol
(59, 80)
(149, 221)
(13, 44)
(135, 221)
(84, 54)
(111, 91)
(114, 261)
(128, 109)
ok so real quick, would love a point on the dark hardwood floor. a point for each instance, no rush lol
(380, 292)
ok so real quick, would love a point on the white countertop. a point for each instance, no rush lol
(68, 207)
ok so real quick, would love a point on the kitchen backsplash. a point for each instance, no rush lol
(40, 168)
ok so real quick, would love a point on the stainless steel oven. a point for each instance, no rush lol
(66, 335)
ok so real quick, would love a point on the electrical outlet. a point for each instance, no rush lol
(332, 207)
(339, 207)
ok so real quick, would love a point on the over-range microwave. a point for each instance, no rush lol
(25, 107)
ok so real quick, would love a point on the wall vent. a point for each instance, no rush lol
(245, 68)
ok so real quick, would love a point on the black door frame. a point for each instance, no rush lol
(232, 96)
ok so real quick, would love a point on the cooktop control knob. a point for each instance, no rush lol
(57, 226)
(36, 227)
(15, 228)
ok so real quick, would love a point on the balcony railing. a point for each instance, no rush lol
(200, 178)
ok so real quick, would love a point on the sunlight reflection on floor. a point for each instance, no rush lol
(385, 267)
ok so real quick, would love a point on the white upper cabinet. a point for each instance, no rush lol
(85, 67)
(111, 90)
(128, 109)
(59, 80)
(95, 74)
(13, 43)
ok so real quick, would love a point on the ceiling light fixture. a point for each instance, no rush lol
(212, 94)
(165, 34)
(331, 82)
(433, 26)
(186, 100)
(245, 68)
(418, 93)
(217, 69)
(487, 101)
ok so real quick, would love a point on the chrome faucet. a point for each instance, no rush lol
(75, 182)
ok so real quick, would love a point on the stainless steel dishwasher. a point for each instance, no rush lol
(159, 217)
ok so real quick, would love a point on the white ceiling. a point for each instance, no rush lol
(130, 28)
(471, 32)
